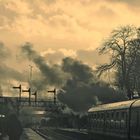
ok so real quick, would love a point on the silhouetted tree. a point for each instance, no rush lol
(134, 66)
(123, 47)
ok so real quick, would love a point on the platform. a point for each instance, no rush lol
(28, 134)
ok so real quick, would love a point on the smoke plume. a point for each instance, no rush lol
(52, 75)
(83, 90)
(78, 80)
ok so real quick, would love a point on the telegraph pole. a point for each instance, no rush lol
(19, 100)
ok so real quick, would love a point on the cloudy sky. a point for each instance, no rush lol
(64, 25)
(59, 28)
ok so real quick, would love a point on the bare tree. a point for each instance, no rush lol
(120, 46)
(134, 65)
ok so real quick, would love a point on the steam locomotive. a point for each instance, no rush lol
(115, 121)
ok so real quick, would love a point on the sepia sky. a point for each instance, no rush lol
(59, 28)
(64, 25)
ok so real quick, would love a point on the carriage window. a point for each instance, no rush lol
(112, 115)
(95, 116)
(117, 115)
(122, 115)
(102, 115)
(107, 115)
(137, 119)
(90, 116)
(98, 115)
(134, 121)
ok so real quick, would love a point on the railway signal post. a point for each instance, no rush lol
(35, 94)
(29, 91)
(20, 91)
(53, 91)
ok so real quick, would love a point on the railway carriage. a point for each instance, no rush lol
(115, 121)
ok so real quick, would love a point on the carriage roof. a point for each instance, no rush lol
(136, 104)
(112, 106)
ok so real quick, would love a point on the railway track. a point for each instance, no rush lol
(56, 134)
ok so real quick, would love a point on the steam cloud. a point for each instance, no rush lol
(52, 75)
(82, 89)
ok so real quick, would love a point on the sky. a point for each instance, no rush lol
(60, 28)
(64, 25)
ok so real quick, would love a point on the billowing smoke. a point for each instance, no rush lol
(83, 89)
(51, 75)
(78, 71)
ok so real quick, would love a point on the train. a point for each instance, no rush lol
(115, 121)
